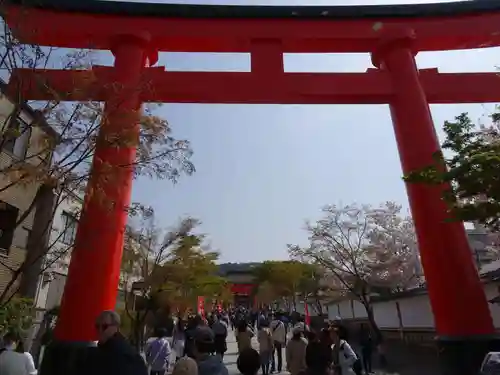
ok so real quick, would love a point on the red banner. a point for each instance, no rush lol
(306, 311)
(201, 306)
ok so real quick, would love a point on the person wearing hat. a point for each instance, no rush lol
(296, 352)
(203, 348)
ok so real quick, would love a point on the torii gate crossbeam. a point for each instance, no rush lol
(159, 86)
(393, 35)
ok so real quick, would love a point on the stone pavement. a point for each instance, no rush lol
(403, 359)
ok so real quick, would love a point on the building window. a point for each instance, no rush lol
(70, 224)
(8, 218)
(16, 137)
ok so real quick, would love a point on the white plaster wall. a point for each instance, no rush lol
(359, 310)
(345, 309)
(416, 312)
(491, 291)
(299, 307)
(333, 311)
(386, 314)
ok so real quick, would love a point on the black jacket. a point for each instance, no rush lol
(117, 357)
(319, 357)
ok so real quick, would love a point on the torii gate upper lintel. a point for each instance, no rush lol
(392, 34)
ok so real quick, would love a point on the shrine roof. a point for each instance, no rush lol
(264, 11)
(236, 268)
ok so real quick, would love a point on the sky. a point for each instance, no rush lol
(263, 169)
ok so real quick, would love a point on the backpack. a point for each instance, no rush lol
(357, 367)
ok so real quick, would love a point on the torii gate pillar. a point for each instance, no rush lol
(93, 275)
(444, 248)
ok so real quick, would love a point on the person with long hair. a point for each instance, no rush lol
(366, 341)
(319, 355)
(244, 336)
(344, 357)
(265, 339)
(179, 338)
(296, 352)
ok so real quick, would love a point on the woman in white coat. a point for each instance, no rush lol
(344, 356)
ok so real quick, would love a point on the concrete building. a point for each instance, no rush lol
(52, 280)
(64, 225)
(23, 131)
(484, 244)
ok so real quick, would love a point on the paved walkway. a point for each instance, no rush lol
(403, 359)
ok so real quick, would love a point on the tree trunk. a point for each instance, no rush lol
(379, 338)
(38, 238)
(135, 330)
(318, 307)
(373, 324)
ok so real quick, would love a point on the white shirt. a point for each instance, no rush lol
(278, 331)
(13, 363)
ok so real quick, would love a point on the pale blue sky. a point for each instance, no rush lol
(262, 170)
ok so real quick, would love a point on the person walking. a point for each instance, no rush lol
(296, 352)
(278, 331)
(220, 330)
(20, 349)
(319, 355)
(179, 338)
(203, 348)
(13, 359)
(366, 342)
(192, 325)
(244, 336)
(114, 354)
(158, 353)
(185, 366)
(248, 362)
(344, 357)
(265, 340)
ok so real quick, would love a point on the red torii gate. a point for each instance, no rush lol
(392, 34)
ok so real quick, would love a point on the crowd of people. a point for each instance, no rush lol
(200, 343)
(324, 351)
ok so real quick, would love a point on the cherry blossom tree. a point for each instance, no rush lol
(363, 250)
